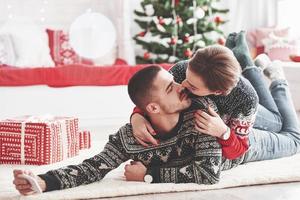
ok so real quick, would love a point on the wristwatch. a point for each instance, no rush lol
(148, 178)
(226, 135)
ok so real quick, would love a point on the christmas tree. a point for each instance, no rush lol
(174, 29)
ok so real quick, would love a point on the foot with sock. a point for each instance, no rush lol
(238, 44)
(272, 69)
(230, 41)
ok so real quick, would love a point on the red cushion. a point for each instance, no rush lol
(70, 75)
(264, 32)
(61, 51)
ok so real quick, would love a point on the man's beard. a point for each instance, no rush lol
(167, 109)
(173, 109)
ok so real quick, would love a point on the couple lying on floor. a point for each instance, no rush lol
(196, 134)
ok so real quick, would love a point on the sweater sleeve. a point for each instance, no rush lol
(137, 110)
(90, 170)
(179, 71)
(241, 123)
(204, 168)
(234, 146)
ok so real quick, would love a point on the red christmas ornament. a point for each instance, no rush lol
(221, 41)
(218, 20)
(188, 53)
(142, 34)
(186, 38)
(146, 55)
(161, 21)
(178, 19)
(173, 40)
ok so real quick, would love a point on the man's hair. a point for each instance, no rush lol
(217, 66)
(140, 86)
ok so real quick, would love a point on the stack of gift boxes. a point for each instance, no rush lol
(41, 140)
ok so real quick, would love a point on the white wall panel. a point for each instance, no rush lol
(57, 13)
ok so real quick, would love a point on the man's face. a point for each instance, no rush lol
(169, 94)
(196, 85)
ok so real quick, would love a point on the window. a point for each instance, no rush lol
(289, 15)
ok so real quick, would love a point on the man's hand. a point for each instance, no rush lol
(210, 123)
(23, 186)
(142, 130)
(135, 171)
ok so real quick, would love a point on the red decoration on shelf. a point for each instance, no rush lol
(142, 34)
(161, 21)
(295, 58)
(221, 41)
(218, 20)
(173, 40)
(188, 53)
(146, 55)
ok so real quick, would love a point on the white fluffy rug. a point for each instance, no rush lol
(113, 185)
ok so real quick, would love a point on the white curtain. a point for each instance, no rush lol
(123, 24)
(249, 14)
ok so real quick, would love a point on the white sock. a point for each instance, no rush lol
(262, 61)
(274, 71)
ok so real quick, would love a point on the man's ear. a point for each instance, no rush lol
(153, 108)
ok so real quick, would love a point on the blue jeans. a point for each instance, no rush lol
(268, 116)
(266, 145)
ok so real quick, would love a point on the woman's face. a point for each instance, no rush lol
(196, 85)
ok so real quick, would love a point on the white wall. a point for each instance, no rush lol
(57, 13)
(95, 106)
(244, 14)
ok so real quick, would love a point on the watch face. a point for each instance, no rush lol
(148, 178)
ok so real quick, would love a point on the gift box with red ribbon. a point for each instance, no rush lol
(84, 140)
(38, 140)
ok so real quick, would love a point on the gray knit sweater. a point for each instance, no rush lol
(237, 109)
(183, 156)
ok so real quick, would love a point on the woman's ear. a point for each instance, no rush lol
(153, 108)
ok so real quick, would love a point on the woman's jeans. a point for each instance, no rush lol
(268, 116)
(280, 140)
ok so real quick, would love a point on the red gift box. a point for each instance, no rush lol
(38, 140)
(84, 140)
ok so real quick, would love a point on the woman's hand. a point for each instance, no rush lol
(142, 130)
(210, 123)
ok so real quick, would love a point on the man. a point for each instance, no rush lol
(184, 154)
